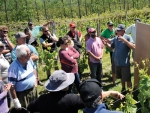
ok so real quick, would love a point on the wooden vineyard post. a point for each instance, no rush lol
(37, 11)
(6, 10)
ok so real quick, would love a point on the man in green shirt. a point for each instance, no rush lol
(105, 35)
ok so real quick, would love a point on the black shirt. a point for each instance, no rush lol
(56, 102)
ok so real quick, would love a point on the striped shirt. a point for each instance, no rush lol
(22, 78)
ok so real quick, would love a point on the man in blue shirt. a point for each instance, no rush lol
(21, 39)
(122, 44)
(92, 97)
(22, 75)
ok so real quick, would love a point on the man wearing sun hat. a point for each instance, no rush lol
(76, 36)
(92, 96)
(57, 101)
(94, 48)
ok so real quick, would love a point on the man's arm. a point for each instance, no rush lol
(92, 55)
(46, 24)
(129, 44)
(34, 57)
(6, 51)
(10, 44)
(114, 94)
(15, 99)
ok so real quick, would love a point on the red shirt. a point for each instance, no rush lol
(69, 64)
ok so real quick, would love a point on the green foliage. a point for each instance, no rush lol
(129, 105)
(144, 85)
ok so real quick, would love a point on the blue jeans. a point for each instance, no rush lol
(76, 81)
(96, 70)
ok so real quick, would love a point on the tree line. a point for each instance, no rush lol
(25, 10)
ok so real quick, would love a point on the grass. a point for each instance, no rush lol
(106, 76)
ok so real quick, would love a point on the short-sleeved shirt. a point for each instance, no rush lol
(132, 30)
(22, 78)
(56, 102)
(100, 109)
(4, 65)
(36, 30)
(95, 47)
(122, 51)
(32, 50)
(107, 34)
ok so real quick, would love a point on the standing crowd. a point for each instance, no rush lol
(19, 69)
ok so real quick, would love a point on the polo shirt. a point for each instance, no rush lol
(56, 102)
(21, 78)
(122, 51)
(32, 50)
(36, 30)
(95, 47)
(132, 30)
(99, 109)
(107, 34)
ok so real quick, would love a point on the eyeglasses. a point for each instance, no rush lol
(2, 47)
(118, 30)
(5, 31)
(46, 31)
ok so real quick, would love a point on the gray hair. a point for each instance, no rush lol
(93, 104)
(21, 50)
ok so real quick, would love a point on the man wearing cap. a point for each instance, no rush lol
(122, 44)
(76, 36)
(57, 101)
(35, 30)
(94, 48)
(6, 41)
(92, 96)
(22, 75)
(107, 34)
(21, 39)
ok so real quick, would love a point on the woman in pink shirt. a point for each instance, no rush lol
(68, 58)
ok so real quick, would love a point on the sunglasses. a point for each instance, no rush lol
(2, 47)
(110, 25)
(5, 31)
(46, 31)
(30, 24)
(66, 43)
(118, 30)
(73, 27)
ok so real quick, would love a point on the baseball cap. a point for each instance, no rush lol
(1, 44)
(137, 20)
(30, 23)
(59, 80)
(20, 35)
(90, 90)
(72, 25)
(90, 30)
(120, 27)
(110, 23)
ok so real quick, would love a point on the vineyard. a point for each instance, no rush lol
(95, 13)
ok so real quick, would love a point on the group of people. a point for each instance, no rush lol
(19, 73)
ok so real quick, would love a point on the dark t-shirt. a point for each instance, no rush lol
(56, 102)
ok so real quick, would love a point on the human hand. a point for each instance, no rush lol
(7, 86)
(117, 95)
(120, 38)
(17, 104)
